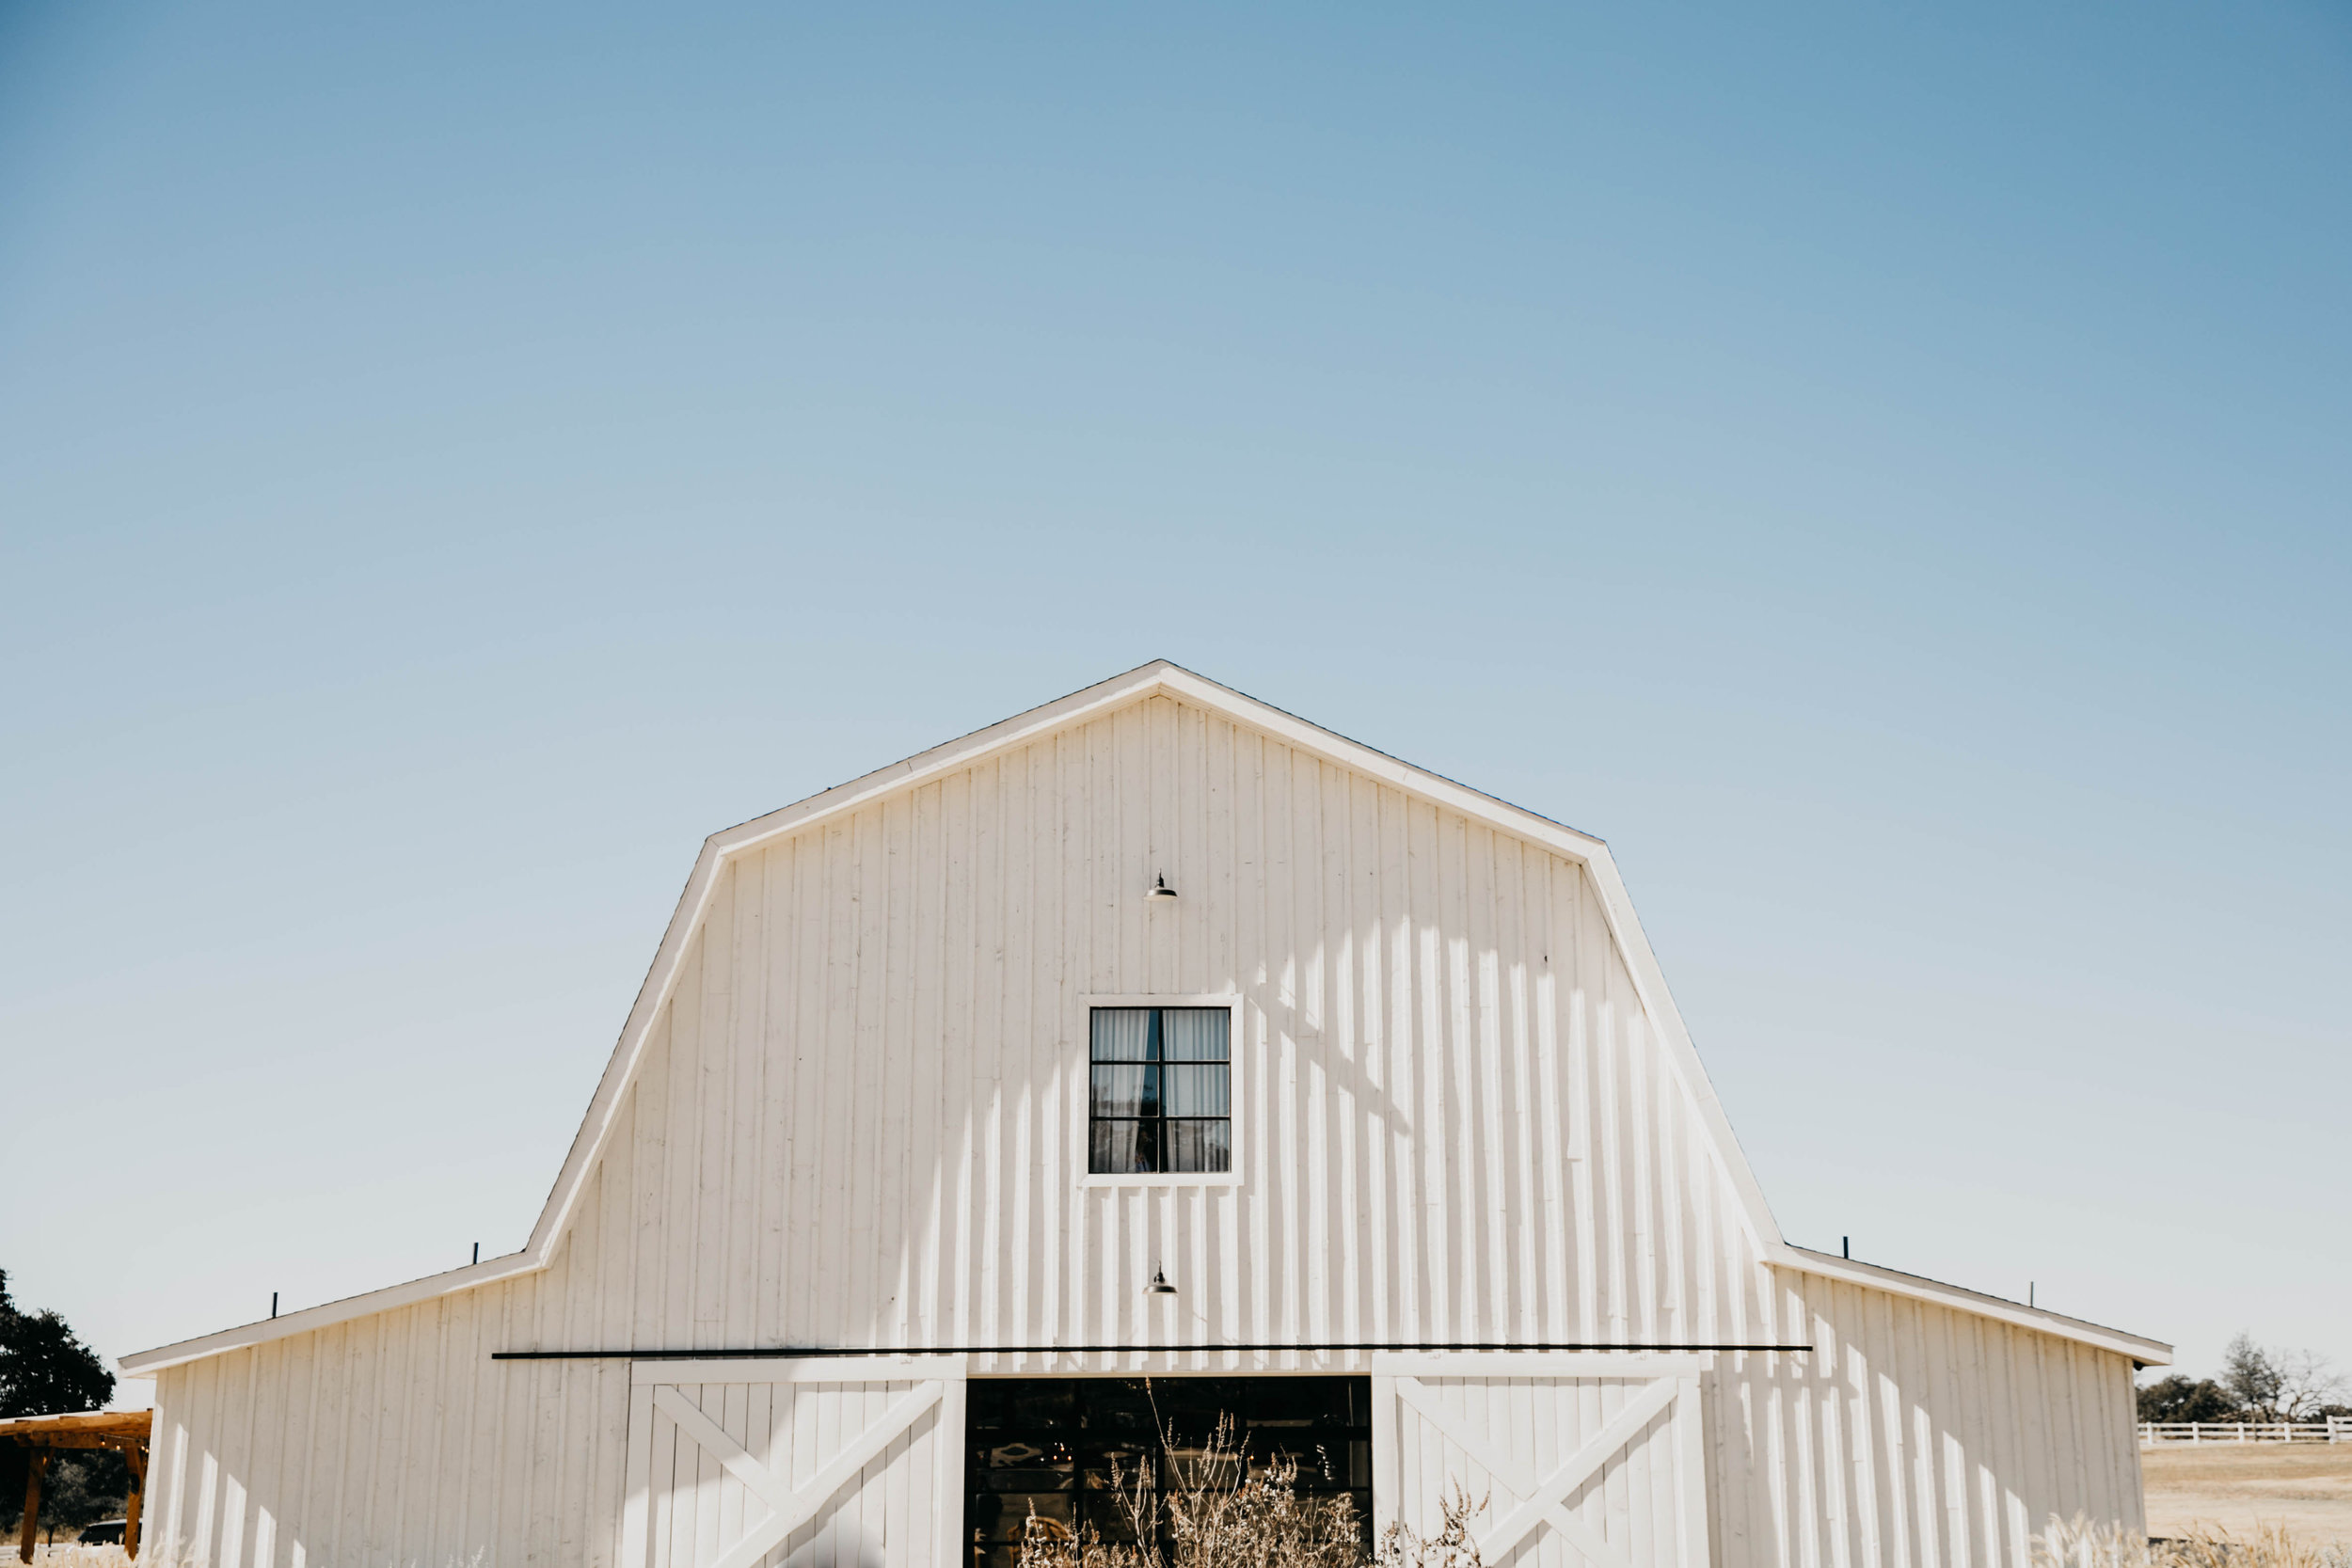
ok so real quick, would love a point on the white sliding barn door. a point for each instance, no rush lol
(1591, 1462)
(854, 1462)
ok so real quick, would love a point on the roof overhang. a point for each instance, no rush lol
(2148, 1353)
(147, 1363)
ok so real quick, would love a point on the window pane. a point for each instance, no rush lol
(1122, 1090)
(1199, 1146)
(1121, 1034)
(1130, 1091)
(1196, 1034)
(1193, 1091)
(1121, 1147)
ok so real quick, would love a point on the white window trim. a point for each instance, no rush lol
(1082, 1140)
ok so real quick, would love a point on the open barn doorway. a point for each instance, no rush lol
(1049, 1445)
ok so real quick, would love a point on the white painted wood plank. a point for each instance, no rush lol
(1600, 1365)
(948, 1461)
(1690, 1473)
(1528, 1214)
(1583, 1098)
(1388, 1479)
(880, 1366)
(748, 1127)
(637, 1493)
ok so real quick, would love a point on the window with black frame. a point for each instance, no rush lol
(1160, 1097)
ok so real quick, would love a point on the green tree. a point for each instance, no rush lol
(2280, 1385)
(2183, 1399)
(2251, 1378)
(44, 1370)
(83, 1486)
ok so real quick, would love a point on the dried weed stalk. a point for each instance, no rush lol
(1217, 1513)
(1452, 1546)
(2079, 1543)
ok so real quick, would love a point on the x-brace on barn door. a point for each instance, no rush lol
(1603, 1453)
(739, 1462)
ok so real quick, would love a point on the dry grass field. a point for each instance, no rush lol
(2237, 1488)
(2306, 1487)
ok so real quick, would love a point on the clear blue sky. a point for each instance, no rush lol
(1885, 472)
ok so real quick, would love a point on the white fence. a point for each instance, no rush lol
(2335, 1428)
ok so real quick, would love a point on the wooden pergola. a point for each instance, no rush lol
(125, 1431)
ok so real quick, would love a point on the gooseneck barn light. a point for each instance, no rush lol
(1160, 889)
(1159, 1286)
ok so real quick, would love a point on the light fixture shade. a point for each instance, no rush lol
(1160, 889)
(1159, 1286)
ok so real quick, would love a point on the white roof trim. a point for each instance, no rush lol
(1158, 677)
(2152, 1352)
(147, 1363)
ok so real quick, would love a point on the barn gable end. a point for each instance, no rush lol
(848, 1112)
(857, 1116)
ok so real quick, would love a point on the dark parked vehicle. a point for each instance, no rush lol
(106, 1533)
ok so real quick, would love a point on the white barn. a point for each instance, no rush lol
(1154, 1034)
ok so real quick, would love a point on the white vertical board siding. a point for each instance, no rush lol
(1435, 1030)
(1913, 1436)
(858, 1121)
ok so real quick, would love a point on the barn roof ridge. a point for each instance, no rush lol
(890, 774)
(1157, 677)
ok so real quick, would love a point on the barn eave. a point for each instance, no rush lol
(1829, 1265)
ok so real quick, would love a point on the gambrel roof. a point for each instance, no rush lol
(1159, 678)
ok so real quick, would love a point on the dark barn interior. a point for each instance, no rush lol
(1052, 1446)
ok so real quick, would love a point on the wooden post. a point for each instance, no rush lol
(136, 1453)
(37, 1462)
